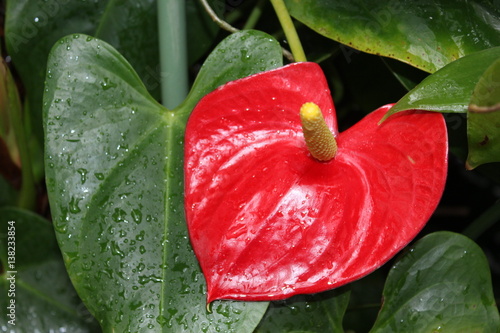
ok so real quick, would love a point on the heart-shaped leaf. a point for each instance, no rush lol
(483, 119)
(427, 34)
(114, 160)
(268, 221)
(442, 284)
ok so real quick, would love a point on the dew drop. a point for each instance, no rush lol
(73, 205)
(83, 175)
(137, 215)
(99, 175)
(115, 250)
(107, 84)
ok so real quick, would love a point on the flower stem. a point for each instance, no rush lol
(289, 29)
(483, 222)
(173, 51)
(27, 193)
(254, 16)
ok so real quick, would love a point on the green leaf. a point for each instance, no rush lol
(114, 160)
(32, 28)
(241, 54)
(408, 77)
(34, 279)
(427, 34)
(483, 119)
(132, 28)
(442, 284)
(450, 88)
(307, 313)
(8, 195)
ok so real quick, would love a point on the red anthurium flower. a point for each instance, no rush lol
(267, 220)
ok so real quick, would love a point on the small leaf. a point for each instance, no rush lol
(450, 88)
(427, 34)
(36, 280)
(114, 160)
(316, 313)
(483, 119)
(442, 284)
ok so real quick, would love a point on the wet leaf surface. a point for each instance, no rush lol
(426, 34)
(442, 284)
(449, 89)
(316, 313)
(114, 160)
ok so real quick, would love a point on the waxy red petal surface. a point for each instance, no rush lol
(267, 221)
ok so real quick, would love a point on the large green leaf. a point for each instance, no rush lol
(307, 313)
(132, 28)
(427, 34)
(34, 282)
(114, 160)
(450, 88)
(31, 28)
(442, 284)
(483, 119)
(242, 54)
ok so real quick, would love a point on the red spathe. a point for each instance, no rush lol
(268, 221)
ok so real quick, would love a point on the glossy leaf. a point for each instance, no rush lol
(242, 54)
(131, 27)
(442, 284)
(267, 221)
(114, 175)
(483, 119)
(317, 313)
(36, 280)
(426, 34)
(32, 28)
(450, 88)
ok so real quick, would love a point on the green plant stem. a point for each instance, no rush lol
(254, 16)
(213, 15)
(289, 29)
(27, 194)
(364, 307)
(173, 51)
(483, 222)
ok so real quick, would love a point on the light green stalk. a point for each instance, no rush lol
(173, 51)
(289, 29)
